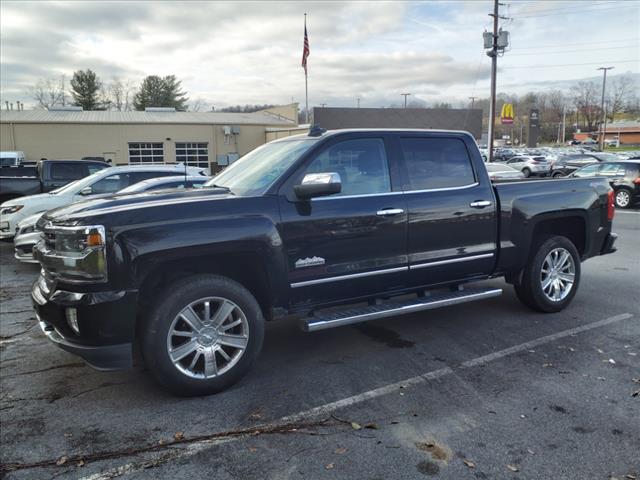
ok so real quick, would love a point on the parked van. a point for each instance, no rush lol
(11, 159)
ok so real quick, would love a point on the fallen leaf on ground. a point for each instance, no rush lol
(340, 451)
(80, 463)
(62, 460)
(636, 393)
(601, 378)
(469, 463)
(611, 361)
(630, 476)
(635, 380)
(371, 426)
(179, 436)
(513, 468)
(599, 351)
(68, 435)
(531, 451)
(545, 365)
(633, 354)
(329, 466)
(356, 426)
(253, 449)
(571, 349)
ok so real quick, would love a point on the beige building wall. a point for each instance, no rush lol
(62, 140)
(290, 112)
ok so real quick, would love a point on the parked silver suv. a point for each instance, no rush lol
(530, 165)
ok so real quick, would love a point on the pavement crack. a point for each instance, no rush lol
(266, 429)
(30, 310)
(55, 367)
(4, 338)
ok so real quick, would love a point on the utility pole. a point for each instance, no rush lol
(603, 125)
(473, 100)
(405, 95)
(494, 69)
(564, 123)
(358, 102)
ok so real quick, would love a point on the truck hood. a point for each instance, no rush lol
(122, 203)
(29, 200)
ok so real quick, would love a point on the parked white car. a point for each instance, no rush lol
(27, 236)
(102, 183)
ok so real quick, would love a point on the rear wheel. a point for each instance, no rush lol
(552, 275)
(623, 198)
(203, 336)
(557, 175)
(526, 172)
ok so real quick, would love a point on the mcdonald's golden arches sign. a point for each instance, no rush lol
(506, 116)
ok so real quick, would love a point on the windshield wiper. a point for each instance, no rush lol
(226, 189)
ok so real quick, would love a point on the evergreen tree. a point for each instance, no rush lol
(85, 90)
(158, 91)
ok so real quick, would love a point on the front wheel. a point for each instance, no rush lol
(623, 198)
(557, 175)
(551, 277)
(203, 335)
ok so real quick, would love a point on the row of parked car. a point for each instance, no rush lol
(622, 170)
(19, 215)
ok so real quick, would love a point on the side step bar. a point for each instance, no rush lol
(373, 312)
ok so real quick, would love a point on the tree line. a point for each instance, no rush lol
(580, 105)
(88, 91)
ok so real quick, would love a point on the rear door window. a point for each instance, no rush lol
(140, 176)
(590, 171)
(68, 171)
(437, 163)
(111, 184)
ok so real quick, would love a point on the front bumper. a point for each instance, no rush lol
(106, 322)
(23, 246)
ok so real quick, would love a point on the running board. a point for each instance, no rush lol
(373, 312)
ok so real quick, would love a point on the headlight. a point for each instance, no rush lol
(25, 230)
(77, 254)
(11, 209)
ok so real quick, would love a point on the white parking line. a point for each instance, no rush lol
(377, 392)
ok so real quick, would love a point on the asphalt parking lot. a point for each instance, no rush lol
(484, 390)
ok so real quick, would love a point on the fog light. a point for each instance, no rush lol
(72, 319)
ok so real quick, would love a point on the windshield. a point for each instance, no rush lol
(258, 169)
(79, 184)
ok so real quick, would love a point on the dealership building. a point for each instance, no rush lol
(157, 135)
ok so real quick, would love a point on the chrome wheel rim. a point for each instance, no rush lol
(558, 274)
(207, 337)
(622, 198)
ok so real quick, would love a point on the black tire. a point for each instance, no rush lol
(155, 330)
(623, 194)
(557, 175)
(529, 288)
(526, 172)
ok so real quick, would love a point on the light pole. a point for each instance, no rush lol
(473, 101)
(603, 125)
(358, 102)
(405, 95)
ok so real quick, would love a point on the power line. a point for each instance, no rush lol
(574, 12)
(588, 7)
(555, 45)
(591, 49)
(571, 64)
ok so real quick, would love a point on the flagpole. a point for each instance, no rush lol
(306, 88)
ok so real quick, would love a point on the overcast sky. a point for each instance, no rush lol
(249, 52)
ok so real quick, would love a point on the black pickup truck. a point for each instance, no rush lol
(43, 176)
(335, 227)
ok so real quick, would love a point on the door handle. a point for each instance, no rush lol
(386, 212)
(480, 204)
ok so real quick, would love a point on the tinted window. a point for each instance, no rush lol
(612, 170)
(140, 176)
(111, 184)
(589, 171)
(361, 164)
(68, 171)
(93, 168)
(437, 163)
(167, 185)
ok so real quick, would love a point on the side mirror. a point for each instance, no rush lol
(86, 191)
(318, 185)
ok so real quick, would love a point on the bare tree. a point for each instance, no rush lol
(198, 105)
(49, 92)
(621, 93)
(120, 94)
(587, 102)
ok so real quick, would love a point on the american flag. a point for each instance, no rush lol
(305, 48)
